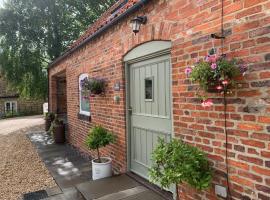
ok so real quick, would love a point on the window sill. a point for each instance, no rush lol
(84, 117)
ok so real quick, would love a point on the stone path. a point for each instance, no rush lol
(72, 173)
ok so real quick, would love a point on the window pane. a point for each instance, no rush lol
(149, 88)
(13, 106)
(8, 108)
(85, 101)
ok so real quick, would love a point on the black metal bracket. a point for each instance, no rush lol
(141, 19)
(219, 37)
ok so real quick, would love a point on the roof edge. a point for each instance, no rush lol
(129, 11)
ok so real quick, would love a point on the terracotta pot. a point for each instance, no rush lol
(59, 134)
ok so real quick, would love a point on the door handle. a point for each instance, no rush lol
(130, 110)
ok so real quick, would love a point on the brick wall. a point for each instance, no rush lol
(24, 106)
(188, 24)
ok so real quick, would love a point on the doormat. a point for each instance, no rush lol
(38, 195)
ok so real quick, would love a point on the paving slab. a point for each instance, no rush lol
(67, 194)
(146, 195)
(65, 164)
(72, 173)
(120, 187)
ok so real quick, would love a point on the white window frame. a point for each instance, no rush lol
(11, 102)
(82, 112)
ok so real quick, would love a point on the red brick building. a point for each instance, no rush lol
(176, 32)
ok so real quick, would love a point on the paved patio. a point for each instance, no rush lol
(72, 174)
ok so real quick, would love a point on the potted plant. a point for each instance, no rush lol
(58, 130)
(177, 162)
(49, 117)
(99, 137)
(215, 74)
(95, 86)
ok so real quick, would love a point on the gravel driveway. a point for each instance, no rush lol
(8, 126)
(21, 169)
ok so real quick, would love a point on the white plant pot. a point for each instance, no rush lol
(101, 170)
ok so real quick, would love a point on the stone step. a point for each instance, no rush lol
(67, 194)
(124, 194)
(116, 188)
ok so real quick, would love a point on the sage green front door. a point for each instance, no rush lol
(150, 105)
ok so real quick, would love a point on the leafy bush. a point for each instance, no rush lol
(50, 116)
(97, 138)
(55, 123)
(11, 114)
(177, 162)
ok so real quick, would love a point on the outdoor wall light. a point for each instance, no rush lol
(137, 22)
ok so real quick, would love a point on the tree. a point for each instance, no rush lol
(35, 32)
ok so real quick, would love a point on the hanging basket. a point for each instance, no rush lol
(214, 86)
(95, 86)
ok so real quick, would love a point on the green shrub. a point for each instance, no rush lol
(55, 122)
(177, 162)
(99, 137)
(50, 116)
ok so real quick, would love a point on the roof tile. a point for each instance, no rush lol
(105, 19)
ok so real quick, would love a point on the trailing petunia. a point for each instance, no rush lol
(207, 103)
(96, 86)
(215, 73)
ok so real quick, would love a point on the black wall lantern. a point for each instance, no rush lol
(137, 22)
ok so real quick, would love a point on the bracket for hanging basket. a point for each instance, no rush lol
(219, 37)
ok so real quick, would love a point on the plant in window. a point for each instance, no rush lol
(177, 162)
(215, 74)
(96, 86)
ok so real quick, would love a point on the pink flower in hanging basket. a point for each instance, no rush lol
(214, 66)
(213, 58)
(188, 70)
(225, 82)
(207, 103)
(219, 87)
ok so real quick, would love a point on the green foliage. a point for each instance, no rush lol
(94, 85)
(56, 122)
(50, 116)
(202, 74)
(99, 137)
(208, 77)
(10, 115)
(35, 32)
(177, 162)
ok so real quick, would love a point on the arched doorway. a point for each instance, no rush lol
(149, 106)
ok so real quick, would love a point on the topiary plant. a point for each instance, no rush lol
(97, 138)
(177, 162)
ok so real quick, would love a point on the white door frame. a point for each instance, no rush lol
(143, 52)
